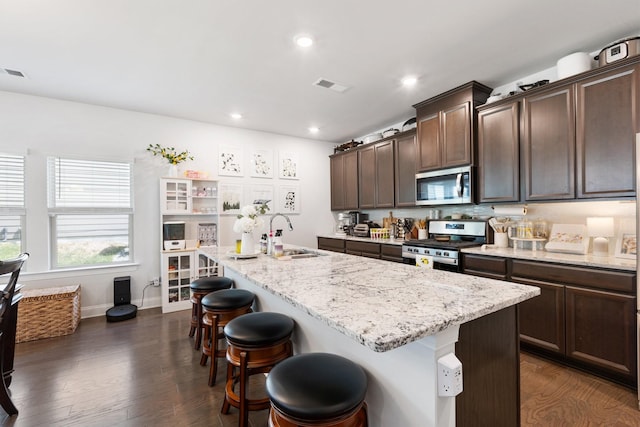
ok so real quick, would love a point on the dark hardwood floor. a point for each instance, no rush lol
(144, 372)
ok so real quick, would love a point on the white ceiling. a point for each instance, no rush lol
(203, 59)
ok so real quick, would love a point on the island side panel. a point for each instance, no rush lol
(402, 383)
(489, 352)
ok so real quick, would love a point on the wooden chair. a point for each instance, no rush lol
(11, 266)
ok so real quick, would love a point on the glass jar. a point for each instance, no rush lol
(540, 230)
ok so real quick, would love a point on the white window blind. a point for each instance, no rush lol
(12, 183)
(89, 184)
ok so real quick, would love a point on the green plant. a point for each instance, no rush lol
(169, 153)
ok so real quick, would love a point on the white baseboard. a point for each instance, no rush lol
(100, 310)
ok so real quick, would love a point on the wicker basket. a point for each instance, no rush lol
(48, 312)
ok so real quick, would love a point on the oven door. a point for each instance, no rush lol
(439, 263)
(445, 187)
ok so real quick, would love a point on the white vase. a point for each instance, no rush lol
(173, 171)
(247, 246)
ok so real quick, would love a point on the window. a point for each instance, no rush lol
(91, 212)
(12, 210)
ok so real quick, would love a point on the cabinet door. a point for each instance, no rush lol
(384, 175)
(607, 121)
(484, 266)
(175, 196)
(429, 143)
(367, 177)
(601, 328)
(334, 245)
(344, 181)
(177, 274)
(405, 164)
(498, 154)
(456, 135)
(542, 318)
(549, 145)
(336, 164)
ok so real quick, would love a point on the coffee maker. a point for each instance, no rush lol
(344, 224)
(358, 217)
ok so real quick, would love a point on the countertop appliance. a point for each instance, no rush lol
(638, 259)
(445, 187)
(445, 240)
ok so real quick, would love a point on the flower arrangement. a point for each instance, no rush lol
(169, 153)
(248, 219)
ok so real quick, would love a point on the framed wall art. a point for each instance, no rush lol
(230, 198)
(230, 161)
(288, 165)
(626, 246)
(259, 193)
(261, 164)
(288, 199)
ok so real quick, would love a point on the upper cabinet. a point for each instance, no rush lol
(376, 175)
(576, 138)
(344, 181)
(406, 149)
(498, 154)
(607, 119)
(446, 127)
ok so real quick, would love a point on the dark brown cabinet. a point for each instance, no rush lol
(328, 244)
(583, 316)
(405, 169)
(548, 139)
(376, 175)
(608, 118)
(446, 127)
(391, 252)
(366, 249)
(499, 154)
(344, 181)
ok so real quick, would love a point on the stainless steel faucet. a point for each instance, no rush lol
(282, 215)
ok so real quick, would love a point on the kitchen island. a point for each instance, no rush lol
(396, 321)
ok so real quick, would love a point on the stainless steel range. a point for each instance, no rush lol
(446, 239)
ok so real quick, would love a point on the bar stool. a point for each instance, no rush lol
(218, 308)
(317, 389)
(256, 342)
(199, 288)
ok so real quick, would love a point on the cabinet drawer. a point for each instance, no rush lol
(336, 245)
(491, 266)
(391, 252)
(365, 248)
(569, 275)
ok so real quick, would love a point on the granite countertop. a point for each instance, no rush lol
(397, 242)
(379, 304)
(587, 260)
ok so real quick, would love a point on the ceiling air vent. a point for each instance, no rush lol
(11, 72)
(328, 84)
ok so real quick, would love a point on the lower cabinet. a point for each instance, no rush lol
(333, 245)
(383, 251)
(583, 316)
(179, 269)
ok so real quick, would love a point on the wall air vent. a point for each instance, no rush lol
(328, 84)
(11, 72)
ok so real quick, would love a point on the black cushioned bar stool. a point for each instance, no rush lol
(218, 309)
(200, 288)
(256, 342)
(317, 389)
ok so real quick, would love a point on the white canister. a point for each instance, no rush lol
(573, 64)
(501, 240)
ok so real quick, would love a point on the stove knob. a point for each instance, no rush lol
(445, 254)
(438, 253)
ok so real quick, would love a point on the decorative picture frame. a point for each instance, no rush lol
(626, 245)
(288, 167)
(229, 161)
(261, 164)
(288, 199)
(230, 196)
(259, 192)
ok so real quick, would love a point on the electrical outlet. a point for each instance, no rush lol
(449, 375)
(155, 281)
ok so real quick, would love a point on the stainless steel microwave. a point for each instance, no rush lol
(445, 187)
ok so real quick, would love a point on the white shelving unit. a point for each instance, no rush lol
(194, 202)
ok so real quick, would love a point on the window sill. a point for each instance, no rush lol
(80, 271)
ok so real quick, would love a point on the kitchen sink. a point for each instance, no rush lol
(300, 253)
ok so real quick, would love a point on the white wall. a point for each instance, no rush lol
(38, 127)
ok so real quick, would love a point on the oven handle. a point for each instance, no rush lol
(459, 187)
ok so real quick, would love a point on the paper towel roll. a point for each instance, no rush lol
(509, 210)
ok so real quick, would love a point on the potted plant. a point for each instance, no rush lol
(171, 155)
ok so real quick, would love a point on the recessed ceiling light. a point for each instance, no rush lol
(303, 40)
(314, 129)
(236, 116)
(409, 81)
